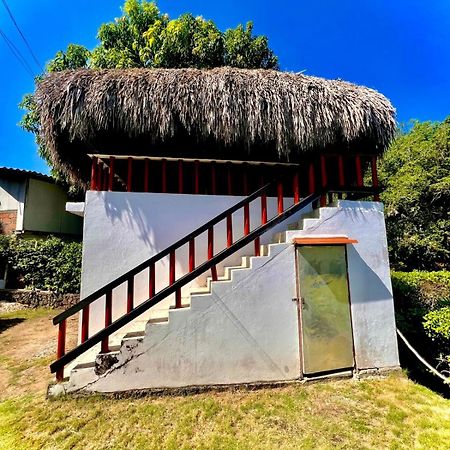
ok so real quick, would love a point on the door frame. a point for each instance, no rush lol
(317, 241)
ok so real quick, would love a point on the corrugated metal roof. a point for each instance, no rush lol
(23, 173)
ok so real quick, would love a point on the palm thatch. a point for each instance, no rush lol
(219, 113)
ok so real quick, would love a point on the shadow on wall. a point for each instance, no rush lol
(367, 285)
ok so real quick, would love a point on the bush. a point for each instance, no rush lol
(422, 310)
(50, 264)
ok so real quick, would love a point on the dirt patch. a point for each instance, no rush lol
(27, 346)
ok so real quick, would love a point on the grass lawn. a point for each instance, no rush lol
(377, 413)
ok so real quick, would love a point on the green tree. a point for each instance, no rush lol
(143, 37)
(416, 173)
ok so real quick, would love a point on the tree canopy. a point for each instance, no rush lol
(416, 173)
(144, 37)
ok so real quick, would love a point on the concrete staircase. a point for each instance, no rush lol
(94, 364)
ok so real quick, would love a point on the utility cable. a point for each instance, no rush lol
(15, 51)
(22, 35)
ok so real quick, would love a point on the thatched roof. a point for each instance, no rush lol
(220, 113)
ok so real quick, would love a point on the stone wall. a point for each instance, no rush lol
(8, 221)
(36, 299)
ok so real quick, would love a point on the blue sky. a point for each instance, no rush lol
(401, 48)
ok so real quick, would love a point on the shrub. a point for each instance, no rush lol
(51, 264)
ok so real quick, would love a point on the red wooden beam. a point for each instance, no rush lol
(130, 174)
(61, 348)
(105, 178)
(151, 281)
(375, 184)
(359, 174)
(111, 173)
(191, 254)
(211, 252)
(85, 324)
(163, 176)
(341, 170)
(94, 168)
(146, 174)
(130, 294)
(196, 176)
(324, 178)
(246, 219)
(296, 188)
(180, 176)
(229, 230)
(99, 175)
(108, 320)
(280, 197)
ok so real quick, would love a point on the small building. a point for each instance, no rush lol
(33, 204)
(232, 227)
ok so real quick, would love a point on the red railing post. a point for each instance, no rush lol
(111, 173)
(146, 174)
(180, 176)
(359, 174)
(229, 230)
(105, 178)
(296, 188)
(172, 278)
(151, 281)
(130, 174)
(196, 176)
(99, 175)
(85, 324)
(323, 172)
(108, 320)
(94, 168)
(163, 175)
(61, 348)
(130, 294)
(280, 197)
(211, 252)
(191, 254)
(376, 195)
(246, 219)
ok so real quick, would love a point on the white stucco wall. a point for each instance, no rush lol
(12, 198)
(122, 230)
(371, 298)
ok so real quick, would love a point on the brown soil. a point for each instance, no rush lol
(27, 347)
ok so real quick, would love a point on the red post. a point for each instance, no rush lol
(229, 180)
(130, 294)
(263, 208)
(99, 175)
(130, 174)
(213, 177)
(359, 174)
(341, 171)
(163, 175)
(312, 178)
(280, 197)
(191, 254)
(94, 168)
(172, 278)
(196, 176)
(146, 174)
(323, 173)
(151, 281)
(108, 320)
(85, 324)
(211, 252)
(246, 219)
(229, 230)
(105, 178)
(61, 348)
(296, 188)
(180, 176)
(375, 185)
(111, 173)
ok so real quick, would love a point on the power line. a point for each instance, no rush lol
(15, 51)
(21, 34)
